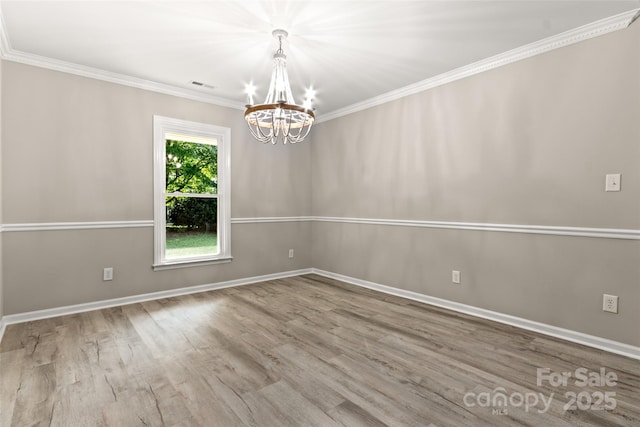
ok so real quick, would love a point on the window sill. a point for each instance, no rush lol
(190, 263)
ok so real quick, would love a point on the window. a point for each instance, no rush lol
(191, 193)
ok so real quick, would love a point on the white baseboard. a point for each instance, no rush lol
(3, 325)
(554, 331)
(97, 305)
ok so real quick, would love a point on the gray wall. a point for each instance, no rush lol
(1, 234)
(77, 150)
(527, 143)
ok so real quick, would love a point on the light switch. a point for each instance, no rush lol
(612, 182)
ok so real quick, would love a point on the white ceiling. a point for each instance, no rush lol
(348, 50)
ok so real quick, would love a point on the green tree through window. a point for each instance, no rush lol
(191, 169)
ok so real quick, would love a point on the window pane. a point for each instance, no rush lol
(191, 167)
(191, 227)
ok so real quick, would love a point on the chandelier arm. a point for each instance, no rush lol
(298, 132)
(301, 134)
(265, 137)
(256, 130)
(259, 136)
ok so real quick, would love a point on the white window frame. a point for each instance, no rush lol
(162, 126)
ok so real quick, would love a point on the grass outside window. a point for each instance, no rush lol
(187, 244)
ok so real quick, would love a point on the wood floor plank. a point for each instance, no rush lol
(210, 399)
(301, 351)
(307, 384)
(381, 406)
(351, 415)
(34, 399)
(296, 407)
(11, 366)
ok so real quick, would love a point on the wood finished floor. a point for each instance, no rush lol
(303, 351)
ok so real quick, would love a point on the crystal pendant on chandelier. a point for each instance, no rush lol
(279, 118)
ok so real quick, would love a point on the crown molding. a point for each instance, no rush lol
(107, 76)
(9, 54)
(585, 32)
(4, 38)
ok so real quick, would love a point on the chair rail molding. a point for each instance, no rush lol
(609, 233)
(78, 225)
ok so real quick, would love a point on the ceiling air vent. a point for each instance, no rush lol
(195, 83)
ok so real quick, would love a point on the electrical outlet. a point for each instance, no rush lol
(455, 276)
(612, 182)
(610, 303)
(290, 253)
(107, 274)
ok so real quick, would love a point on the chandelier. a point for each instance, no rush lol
(279, 118)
